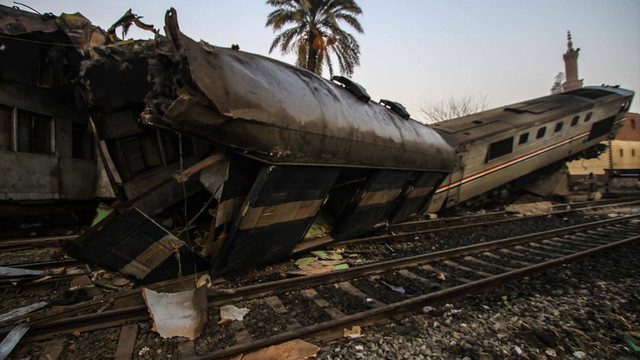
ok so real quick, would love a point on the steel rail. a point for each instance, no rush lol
(410, 304)
(42, 329)
(10, 244)
(456, 227)
(586, 204)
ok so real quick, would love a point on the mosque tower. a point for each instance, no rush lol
(571, 66)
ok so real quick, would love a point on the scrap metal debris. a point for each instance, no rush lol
(181, 313)
(537, 208)
(16, 313)
(14, 272)
(12, 339)
(353, 333)
(232, 313)
(291, 350)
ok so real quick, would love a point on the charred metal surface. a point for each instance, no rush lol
(135, 245)
(370, 203)
(252, 108)
(46, 149)
(277, 212)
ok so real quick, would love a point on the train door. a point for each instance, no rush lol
(455, 186)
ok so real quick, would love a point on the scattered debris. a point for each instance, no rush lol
(143, 351)
(231, 313)
(323, 262)
(399, 289)
(550, 352)
(290, 350)
(12, 340)
(8, 271)
(632, 343)
(21, 311)
(181, 313)
(327, 255)
(518, 350)
(354, 333)
(537, 208)
(428, 309)
(579, 355)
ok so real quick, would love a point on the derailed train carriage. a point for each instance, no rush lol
(289, 152)
(512, 145)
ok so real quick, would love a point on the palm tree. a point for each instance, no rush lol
(316, 32)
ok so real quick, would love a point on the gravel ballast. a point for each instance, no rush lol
(582, 310)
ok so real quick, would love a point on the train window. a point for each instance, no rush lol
(34, 133)
(499, 148)
(601, 128)
(523, 138)
(6, 120)
(131, 147)
(559, 126)
(541, 132)
(575, 120)
(588, 117)
(81, 141)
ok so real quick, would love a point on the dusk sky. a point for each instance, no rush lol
(418, 52)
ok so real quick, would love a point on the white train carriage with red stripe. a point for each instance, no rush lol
(499, 146)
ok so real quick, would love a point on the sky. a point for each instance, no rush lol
(419, 52)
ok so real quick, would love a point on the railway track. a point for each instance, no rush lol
(479, 218)
(394, 232)
(353, 296)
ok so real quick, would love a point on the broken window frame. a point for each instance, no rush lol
(29, 138)
(6, 128)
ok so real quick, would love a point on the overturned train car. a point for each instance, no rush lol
(288, 155)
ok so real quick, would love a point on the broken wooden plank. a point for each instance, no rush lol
(126, 342)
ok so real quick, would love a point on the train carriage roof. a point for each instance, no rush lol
(523, 114)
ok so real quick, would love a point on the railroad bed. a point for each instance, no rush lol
(366, 293)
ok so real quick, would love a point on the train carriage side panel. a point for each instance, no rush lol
(544, 131)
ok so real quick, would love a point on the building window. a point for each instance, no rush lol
(633, 152)
(499, 148)
(6, 128)
(575, 120)
(35, 133)
(523, 138)
(633, 123)
(588, 117)
(541, 132)
(621, 152)
(559, 126)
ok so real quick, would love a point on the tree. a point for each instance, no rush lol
(556, 88)
(452, 108)
(316, 32)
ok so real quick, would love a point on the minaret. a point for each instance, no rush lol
(571, 66)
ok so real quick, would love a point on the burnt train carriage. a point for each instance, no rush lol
(291, 151)
(46, 149)
(498, 146)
